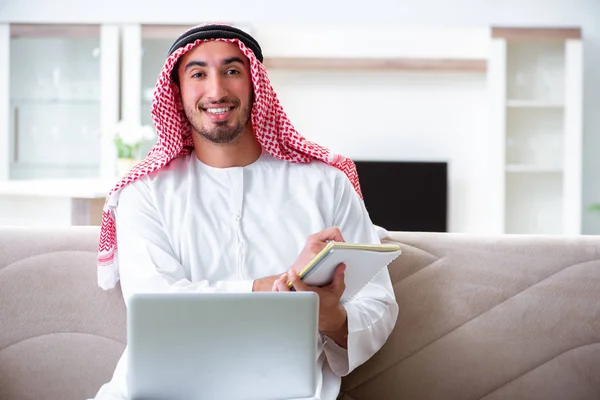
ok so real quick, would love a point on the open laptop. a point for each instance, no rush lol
(235, 346)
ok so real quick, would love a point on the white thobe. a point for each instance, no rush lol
(190, 227)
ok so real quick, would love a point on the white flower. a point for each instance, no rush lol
(148, 132)
(133, 133)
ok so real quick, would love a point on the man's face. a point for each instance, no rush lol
(216, 90)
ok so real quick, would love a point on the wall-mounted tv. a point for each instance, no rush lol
(406, 196)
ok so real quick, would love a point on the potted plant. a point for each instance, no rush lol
(128, 140)
(594, 207)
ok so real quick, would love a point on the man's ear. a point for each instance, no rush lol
(177, 95)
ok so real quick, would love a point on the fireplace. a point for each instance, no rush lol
(406, 196)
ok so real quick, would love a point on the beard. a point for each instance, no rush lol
(221, 132)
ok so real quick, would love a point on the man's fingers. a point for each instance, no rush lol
(338, 284)
(281, 283)
(332, 233)
(299, 286)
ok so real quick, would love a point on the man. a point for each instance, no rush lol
(233, 199)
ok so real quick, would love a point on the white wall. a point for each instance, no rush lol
(379, 14)
(384, 116)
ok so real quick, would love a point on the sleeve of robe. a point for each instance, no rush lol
(372, 313)
(146, 260)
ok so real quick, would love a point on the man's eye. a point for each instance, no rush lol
(198, 75)
(232, 72)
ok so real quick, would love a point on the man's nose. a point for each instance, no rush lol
(216, 89)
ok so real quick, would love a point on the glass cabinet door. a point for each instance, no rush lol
(55, 101)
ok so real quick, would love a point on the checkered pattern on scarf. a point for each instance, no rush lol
(272, 129)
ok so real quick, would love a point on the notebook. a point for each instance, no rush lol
(363, 263)
(234, 346)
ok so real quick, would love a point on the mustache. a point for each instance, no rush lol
(224, 100)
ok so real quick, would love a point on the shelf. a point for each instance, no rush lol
(410, 64)
(532, 104)
(516, 168)
(536, 34)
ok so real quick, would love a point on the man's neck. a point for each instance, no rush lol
(243, 151)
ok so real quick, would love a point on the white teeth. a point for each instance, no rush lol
(218, 110)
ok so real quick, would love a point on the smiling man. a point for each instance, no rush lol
(233, 199)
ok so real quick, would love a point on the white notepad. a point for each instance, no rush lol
(363, 263)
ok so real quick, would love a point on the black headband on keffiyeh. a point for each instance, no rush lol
(272, 129)
(216, 31)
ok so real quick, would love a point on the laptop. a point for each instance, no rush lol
(235, 346)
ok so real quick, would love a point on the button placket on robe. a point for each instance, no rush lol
(238, 183)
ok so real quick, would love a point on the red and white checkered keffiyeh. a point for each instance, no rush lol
(272, 129)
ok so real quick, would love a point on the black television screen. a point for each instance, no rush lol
(405, 196)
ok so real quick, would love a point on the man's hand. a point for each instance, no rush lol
(333, 321)
(265, 284)
(315, 243)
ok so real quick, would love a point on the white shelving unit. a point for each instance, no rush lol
(107, 73)
(60, 99)
(58, 107)
(535, 82)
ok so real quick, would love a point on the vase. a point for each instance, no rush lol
(124, 165)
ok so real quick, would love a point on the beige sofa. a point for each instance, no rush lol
(504, 317)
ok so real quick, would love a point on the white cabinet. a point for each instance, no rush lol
(61, 100)
(535, 81)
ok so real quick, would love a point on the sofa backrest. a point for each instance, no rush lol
(503, 317)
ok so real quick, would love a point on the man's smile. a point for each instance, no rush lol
(219, 113)
(221, 110)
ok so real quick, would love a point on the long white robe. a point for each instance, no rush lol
(190, 227)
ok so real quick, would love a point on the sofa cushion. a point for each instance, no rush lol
(61, 335)
(503, 317)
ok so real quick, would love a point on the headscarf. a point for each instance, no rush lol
(272, 129)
